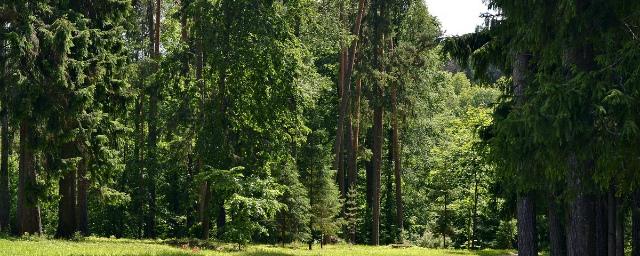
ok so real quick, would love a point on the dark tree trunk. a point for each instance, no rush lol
(527, 244)
(205, 213)
(5, 198)
(221, 219)
(620, 217)
(601, 226)
(67, 203)
(82, 210)
(635, 225)
(152, 140)
(581, 235)
(397, 167)
(338, 161)
(377, 164)
(28, 210)
(556, 230)
(611, 221)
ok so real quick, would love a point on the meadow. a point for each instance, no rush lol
(127, 247)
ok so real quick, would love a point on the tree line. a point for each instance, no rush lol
(563, 138)
(285, 121)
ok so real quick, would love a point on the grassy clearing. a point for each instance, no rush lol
(126, 247)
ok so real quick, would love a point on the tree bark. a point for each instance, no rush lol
(581, 237)
(205, 213)
(338, 161)
(5, 197)
(377, 164)
(67, 193)
(396, 157)
(527, 244)
(82, 210)
(556, 231)
(28, 210)
(601, 226)
(635, 225)
(620, 217)
(611, 221)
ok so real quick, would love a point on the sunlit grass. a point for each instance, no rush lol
(127, 247)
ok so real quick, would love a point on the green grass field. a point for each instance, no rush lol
(125, 247)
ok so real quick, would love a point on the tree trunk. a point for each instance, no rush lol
(338, 162)
(82, 210)
(474, 226)
(28, 210)
(581, 237)
(5, 197)
(601, 227)
(635, 226)
(221, 219)
(396, 157)
(377, 164)
(611, 221)
(556, 231)
(67, 193)
(527, 244)
(205, 213)
(620, 217)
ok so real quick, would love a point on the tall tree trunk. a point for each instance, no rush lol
(152, 140)
(527, 244)
(5, 198)
(556, 231)
(221, 219)
(205, 213)
(611, 221)
(620, 217)
(635, 225)
(82, 210)
(67, 193)
(396, 157)
(377, 164)
(353, 154)
(601, 227)
(338, 161)
(581, 235)
(28, 210)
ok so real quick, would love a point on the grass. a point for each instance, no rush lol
(127, 247)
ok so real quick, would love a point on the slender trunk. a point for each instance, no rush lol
(635, 225)
(474, 226)
(611, 221)
(446, 225)
(620, 217)
(205, 215)
(527, 244)
(556, 231)
(82, 210)
(28, 210)
(396, 157)
(353, 154)
(338, 162)
(5, 198)
(601, 227)
(377, 164)
(150, 220)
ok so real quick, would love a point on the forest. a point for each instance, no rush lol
(317, 123)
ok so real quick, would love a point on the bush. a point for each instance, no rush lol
(429, 240)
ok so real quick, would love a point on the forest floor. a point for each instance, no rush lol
(127, 247)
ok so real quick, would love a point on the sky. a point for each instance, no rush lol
(457, 16)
